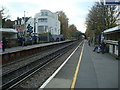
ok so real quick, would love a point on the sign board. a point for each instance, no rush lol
(111, 2)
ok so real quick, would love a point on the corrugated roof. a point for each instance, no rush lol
(112, 29)
(9, 30)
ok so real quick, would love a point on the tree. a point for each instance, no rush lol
(69, 31)
(73, 32)
(100, 18)
(8, 24)
(3, 16)
(63, 22)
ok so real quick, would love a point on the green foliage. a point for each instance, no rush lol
(100, 18)
(8, 24)
(3, 17)
(63, 22)
(73, 32)
(28, 42)
(69, 31)
(43, 42)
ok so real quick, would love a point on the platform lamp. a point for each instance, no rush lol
(35, 32)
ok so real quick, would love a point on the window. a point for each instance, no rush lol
(40, 29)
(42, 13)
(42, 20)
(46, 13)
(46, 28)
(55, 29)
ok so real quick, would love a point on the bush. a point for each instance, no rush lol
(43, 42)
(12, 43)
(28, 43)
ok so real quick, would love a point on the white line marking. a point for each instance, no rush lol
(52, 76)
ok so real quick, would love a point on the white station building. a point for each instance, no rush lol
(46, 21)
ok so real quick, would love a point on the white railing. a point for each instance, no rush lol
(111, 42)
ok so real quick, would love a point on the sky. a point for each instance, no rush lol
(75, 10)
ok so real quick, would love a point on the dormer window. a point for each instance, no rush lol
(46, 13)
(42, 13)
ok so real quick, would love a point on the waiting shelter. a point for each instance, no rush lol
(10, 35)
(112, 38)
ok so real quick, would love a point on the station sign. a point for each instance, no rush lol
(111, 2)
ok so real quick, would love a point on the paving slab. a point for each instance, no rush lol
(97, 70)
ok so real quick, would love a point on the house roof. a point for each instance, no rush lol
(8, 30)
(22, 19)
(117, 28)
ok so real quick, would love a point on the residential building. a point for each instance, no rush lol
(20, 25)
(43, 23)
(46, 21)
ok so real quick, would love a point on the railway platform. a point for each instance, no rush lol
(16, 53)
(20, 48)
(85, 69)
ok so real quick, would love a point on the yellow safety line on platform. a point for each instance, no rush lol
(77, 69)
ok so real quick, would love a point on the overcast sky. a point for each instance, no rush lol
(76, 10)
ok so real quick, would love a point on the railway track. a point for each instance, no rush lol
(15, 76)
(22, 59)
(22, 62)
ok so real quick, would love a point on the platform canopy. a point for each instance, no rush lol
(117, 28)
(8, 30)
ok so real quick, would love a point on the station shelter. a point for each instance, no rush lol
(10, 35)
(112, 38)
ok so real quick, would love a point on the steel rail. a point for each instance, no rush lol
(51, 57)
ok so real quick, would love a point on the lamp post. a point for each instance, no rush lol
(25, 32)
(93, 38)
(24, 25)
(102, 15)
(35, 32)
(102, 11)
(103, 27)
(94, 32)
